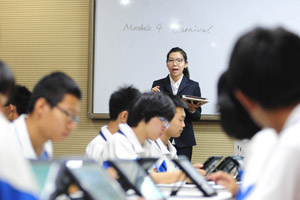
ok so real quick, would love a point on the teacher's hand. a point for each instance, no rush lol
(155, 89)
(192, 105)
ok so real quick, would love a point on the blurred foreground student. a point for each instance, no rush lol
(264, 75)
(53, 114)
(18, 103)
(238, 124)
(16, 178)
(119, 103)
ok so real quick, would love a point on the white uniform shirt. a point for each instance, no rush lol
(157, 149)
(175, 85)
(124, 145)
(95, 147)
(22, 133)
(281, 177)
(15, 173)
(259, 150)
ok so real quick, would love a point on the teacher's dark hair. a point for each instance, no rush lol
(183, 53)
(235, 120)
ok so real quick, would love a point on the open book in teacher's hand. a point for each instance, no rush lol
(190, 98)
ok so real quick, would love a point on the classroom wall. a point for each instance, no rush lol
(38, 37)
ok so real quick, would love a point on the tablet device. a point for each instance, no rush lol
(146, 163)
(135, 176)
(190, 98)
(231, 165)
(210, 164)
(198, 179)
(94, 180)
(48, 176)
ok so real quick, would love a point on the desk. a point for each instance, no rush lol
(190, 191)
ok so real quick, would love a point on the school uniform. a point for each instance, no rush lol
(185, 86)
(21, 131)
(123, 145)
(259, 150)
(157, 149)
(281, 177)
(16, 178)
(95, 147)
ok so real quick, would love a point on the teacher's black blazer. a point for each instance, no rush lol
(187, 87)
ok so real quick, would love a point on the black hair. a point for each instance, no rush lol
(20, 98)
(265, 66)
(7, 80)
(53, 88)
(235, 120)
(122, 100)
(149, 105)
(178, 102)
(183, 53)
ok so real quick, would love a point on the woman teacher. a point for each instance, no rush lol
(178, 82)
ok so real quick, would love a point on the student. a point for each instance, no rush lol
(178, 82)
(238, 124)
(162, 147)
(18, 103)
(234, 119)
(53, 110)
(148, 118)
(265, 62)
(16, 178)
(119, 103)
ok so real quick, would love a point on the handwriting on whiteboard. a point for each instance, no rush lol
(175, 28)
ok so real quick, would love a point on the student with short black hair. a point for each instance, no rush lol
(16, 178)
(238, 124)
(234, 119)
(53, 114)
(119, 104)
(162, 147)
(148, 118)
(264, 76)
(18, 103)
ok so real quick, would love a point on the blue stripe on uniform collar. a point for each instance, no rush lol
(119, 131)
(102, 135)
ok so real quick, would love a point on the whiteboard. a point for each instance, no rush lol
(133, 37)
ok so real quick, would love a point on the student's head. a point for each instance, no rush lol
(264, 71)
(153, 109)
(7, 82)
(177, 123)
(18, 103)
(54, 104)
(177, 62)
(234, 119)
(120, 102)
